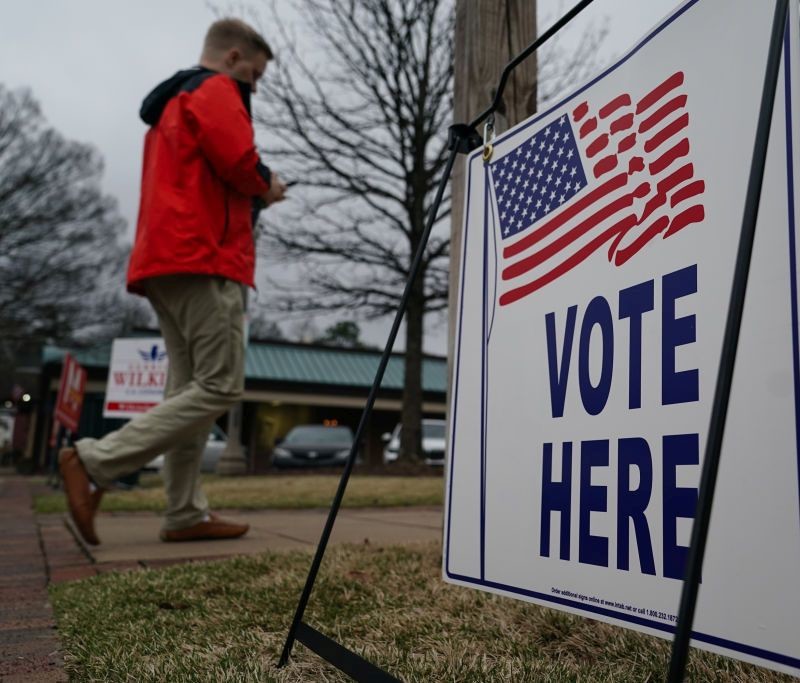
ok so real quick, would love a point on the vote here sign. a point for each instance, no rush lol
(597, 263)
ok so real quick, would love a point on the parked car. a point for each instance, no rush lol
(433, 442)
(6, 431)
(313, 446)
(217, 441)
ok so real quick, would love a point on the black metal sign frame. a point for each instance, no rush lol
(733, 325)
(464, 138)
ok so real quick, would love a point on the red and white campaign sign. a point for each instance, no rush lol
(137, 376)
(69, 400)
(597, 263)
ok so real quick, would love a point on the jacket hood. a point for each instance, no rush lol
(187, 79)
(154, 104)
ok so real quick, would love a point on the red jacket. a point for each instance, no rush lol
(200, 175)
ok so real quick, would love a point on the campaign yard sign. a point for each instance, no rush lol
(69, 400)
(597, 263)
(137, 376)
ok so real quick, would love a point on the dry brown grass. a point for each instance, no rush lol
(265, 492)
(226, 621)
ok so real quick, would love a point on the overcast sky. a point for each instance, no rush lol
(90, 63)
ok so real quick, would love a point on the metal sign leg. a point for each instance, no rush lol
(719, 411)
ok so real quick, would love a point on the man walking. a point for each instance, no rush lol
(194, 253)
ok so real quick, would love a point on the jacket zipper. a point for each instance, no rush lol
(225, 228)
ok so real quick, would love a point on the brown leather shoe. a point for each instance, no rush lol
(213, 529)
(79, 496)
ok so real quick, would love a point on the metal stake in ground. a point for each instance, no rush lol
(326, 532)
(462, 140)
(719, 411)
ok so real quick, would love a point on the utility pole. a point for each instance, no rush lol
(489, 33)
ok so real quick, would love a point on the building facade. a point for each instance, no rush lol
(286, 384)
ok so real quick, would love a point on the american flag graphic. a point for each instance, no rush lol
(615, 177)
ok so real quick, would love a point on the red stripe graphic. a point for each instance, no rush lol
(653, 120)
(691, 190)
(674, 81)
(672, 181)
(130, 407)
(576, 259)
(694, 214)
(605, 165)
(616, 103)
(641, 241)
(666, 133)
(626, 143)
(664, 161)
(635, 165)
(597, 145)
(571, 211)
(622, 123)
(655, 202)
(580, 111)
(588, 127)
(530, 262)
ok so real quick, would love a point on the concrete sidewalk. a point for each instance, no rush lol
(133, 537)
(39, 550)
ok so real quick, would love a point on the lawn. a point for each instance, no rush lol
(272, 491)
(226, 621)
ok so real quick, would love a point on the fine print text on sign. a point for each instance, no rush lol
(598, 254)
(137, 376)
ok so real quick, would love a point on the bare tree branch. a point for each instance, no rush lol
(360, 123)
(59, 236)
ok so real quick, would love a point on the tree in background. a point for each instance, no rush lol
(58, 236)
(365, 134)
(360, 122)
(262, 328)
(346, 334)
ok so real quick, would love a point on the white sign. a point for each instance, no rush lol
(598, 256)
(137, 376)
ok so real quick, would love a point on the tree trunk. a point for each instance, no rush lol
(411, 419)
(481, 51)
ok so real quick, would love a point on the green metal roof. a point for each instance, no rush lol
(98, 357)
(299, 363)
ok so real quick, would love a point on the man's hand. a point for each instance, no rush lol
(276, 192)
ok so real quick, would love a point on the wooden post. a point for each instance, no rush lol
(483, 46)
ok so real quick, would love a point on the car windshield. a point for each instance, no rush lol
(317, 434)
(430, 430)
(433, 430)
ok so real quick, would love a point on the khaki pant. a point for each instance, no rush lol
(201, 319)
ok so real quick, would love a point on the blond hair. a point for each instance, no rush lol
(228, 33)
